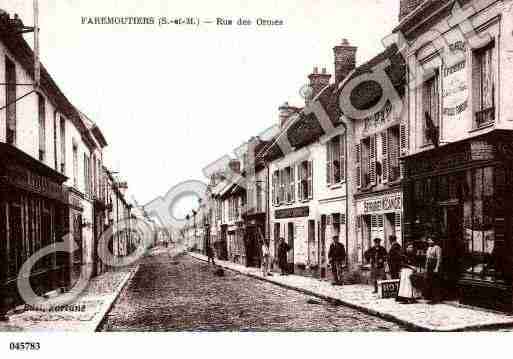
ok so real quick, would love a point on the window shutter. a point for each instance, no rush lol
(384, 148)
(299, 178)
(328, 163)
(310, 179)
(358, 151)
(372, 169)
(342, 158)
(293, 183)
(273, 189)
(282, 186)
(403, 134)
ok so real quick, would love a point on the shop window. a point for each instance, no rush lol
(10, 100)
(487, 254)
(431, 109)
(484, 86)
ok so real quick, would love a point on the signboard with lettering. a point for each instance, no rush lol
(379, 119)
(390, 203)
(455, 93)
(292, 212)
(388, 288)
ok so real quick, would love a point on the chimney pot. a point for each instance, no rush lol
(315, 70)
(324, 71)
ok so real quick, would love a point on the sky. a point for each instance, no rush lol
(170, 100)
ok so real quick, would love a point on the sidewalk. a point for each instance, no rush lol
(85, 315)
(419, 316)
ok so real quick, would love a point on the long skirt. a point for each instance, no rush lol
(406, 289)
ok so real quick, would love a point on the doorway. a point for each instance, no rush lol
(290, 256)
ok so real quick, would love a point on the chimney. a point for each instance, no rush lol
(234, 166)
(407, 6)
(345, 60)
(318, 81)
(285, 112)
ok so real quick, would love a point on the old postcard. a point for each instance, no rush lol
(294, 166)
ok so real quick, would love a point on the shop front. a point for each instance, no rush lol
(297, 225)
(378, 216)
(331, 223)
(462, 194)
(32, 210)
(255, 236)
(235, 243)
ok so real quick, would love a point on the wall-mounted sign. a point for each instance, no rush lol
(382, 204)
(455, 93)
(292, 212)
(379, 119)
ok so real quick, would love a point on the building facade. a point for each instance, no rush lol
(457, 183)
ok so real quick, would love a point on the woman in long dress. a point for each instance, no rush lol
(407, 292)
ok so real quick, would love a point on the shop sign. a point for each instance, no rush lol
(24, 178)
(292, 212)
(389, 203)
(379, 119)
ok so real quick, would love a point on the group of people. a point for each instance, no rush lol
(401, 265)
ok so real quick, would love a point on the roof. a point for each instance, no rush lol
(306, 129)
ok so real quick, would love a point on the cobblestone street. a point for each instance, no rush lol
(183, 294)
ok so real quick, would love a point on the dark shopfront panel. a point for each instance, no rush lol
(462, 193)
(32, 215)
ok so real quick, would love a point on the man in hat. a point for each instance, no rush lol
(377, 256)
(337, 256)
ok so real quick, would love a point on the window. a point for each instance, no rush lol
(335, 162)
(63, 144)
(75, 165)
(302, 186)
(10, 100)
(291, 188)
(87, 176)
(259, 198)
(42, 126)
(55, 162)
(274, 194)
(431, 108)
(368, 159)
(305, 181)
(484, 86)
(390, 151)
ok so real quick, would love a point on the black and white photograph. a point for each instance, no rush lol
(201, 168)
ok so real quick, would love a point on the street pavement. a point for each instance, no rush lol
(181, 293)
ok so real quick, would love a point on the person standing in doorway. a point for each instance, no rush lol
(377, 256)
(337, 256)
(433, 263)
(394, 257)
(283, 249)
(266, 255)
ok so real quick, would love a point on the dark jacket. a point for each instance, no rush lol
(337, 252)
(283, 248)
(395, 257)
(377, 257)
